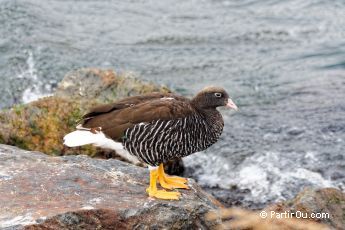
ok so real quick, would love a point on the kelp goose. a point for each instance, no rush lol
(155, 128)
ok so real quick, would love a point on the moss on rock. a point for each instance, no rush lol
(41, 125)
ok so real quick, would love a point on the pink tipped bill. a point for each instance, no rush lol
(231, 104)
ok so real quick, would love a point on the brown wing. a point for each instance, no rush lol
(123, 103)
(117, 117)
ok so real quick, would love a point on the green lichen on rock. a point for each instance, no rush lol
(41, 125)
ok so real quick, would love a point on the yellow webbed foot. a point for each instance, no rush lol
(170, 182)
(175, 179)
(162, 194)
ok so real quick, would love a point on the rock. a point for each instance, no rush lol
(316, 209)
(79, 192)
(41, 125)
(260, 220)
(325, 200)
(231, 197)
(103, 85)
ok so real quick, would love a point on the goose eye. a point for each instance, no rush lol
(218, 94)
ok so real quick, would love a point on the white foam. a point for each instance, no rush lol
(34, 91)
(18, 220)
(270, 176)
(32, 94)
(30, 72)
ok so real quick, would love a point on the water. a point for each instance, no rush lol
(283, 62)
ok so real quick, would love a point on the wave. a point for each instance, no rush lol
(270, 176)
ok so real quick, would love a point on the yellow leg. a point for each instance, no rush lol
(160, 194)
(170, 182)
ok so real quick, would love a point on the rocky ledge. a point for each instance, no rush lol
(79, 192)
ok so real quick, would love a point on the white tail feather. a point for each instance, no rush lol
(83, 137)
(80, 137)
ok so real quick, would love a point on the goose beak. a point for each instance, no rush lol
(231, 105)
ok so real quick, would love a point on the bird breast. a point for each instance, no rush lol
(161, 140)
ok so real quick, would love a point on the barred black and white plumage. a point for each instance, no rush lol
(157, 127)
(158, 141)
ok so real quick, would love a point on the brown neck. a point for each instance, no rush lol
(211, 115)
(200, 103)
